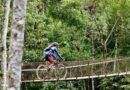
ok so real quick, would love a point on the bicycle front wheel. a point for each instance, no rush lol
(42, 72)
(60, 71)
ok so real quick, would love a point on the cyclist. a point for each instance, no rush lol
(50, 54)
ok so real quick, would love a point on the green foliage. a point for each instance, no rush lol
(59, 85)
(49, 21)
(65, 21)
(115, 83)
(49, 86)
(32, 55)
(79, 26)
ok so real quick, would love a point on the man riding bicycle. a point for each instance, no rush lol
(50, 54)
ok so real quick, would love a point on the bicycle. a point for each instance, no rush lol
(56, 71)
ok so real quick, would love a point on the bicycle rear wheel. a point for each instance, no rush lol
(42, 72)
(60, 71)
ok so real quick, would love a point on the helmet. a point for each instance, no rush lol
(55, 44)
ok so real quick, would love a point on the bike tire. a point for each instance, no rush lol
(60, 71)
(41, 72)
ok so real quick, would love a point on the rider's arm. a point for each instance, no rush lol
(57, 53)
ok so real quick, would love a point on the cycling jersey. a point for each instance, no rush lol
(51, 51)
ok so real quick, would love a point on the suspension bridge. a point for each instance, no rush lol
(77, 70)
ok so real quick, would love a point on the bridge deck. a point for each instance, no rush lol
(82, 70)
(79, 78)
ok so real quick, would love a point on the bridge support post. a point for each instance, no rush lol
(92, 84)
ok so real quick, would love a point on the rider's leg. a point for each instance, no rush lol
(55, 61)
(51, 60)
(46, 59)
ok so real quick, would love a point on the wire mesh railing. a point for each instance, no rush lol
(82, 69)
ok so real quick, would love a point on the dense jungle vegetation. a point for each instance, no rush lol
(85, 29)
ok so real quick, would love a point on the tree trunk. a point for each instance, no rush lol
(4, 47)
(16, 44)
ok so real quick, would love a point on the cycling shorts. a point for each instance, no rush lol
(50, 59)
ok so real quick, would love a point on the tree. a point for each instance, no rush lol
(4, 47)
(16, 44)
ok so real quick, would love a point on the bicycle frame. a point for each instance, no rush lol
(54, 72)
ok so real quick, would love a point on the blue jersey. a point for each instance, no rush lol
(52, 50)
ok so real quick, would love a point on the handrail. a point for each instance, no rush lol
(80, 78)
